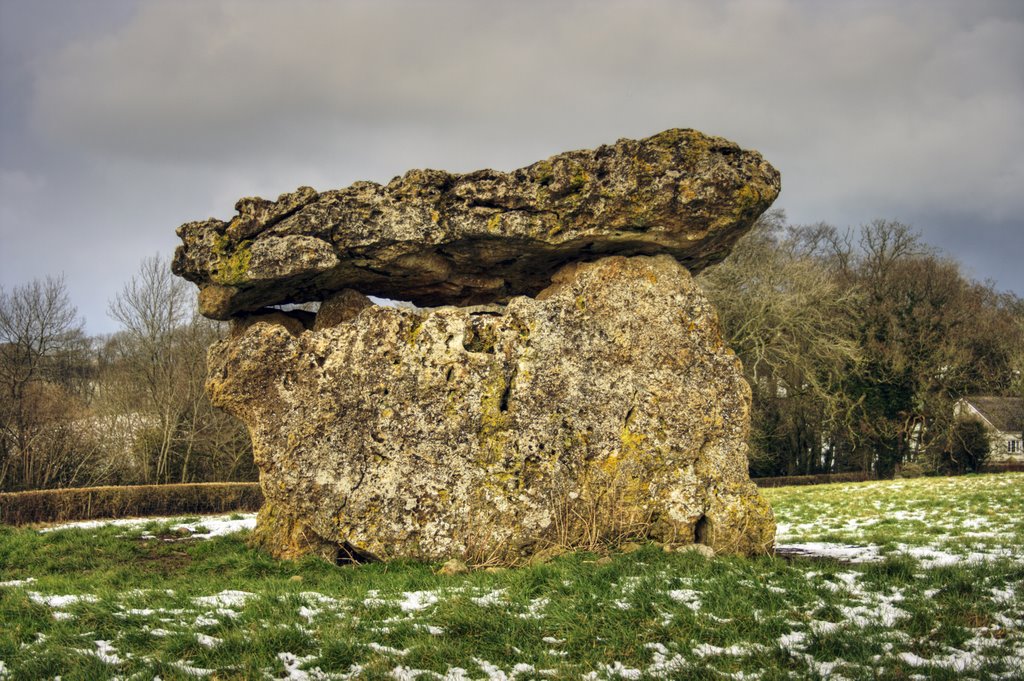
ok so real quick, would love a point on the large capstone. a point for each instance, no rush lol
(436, 238)
(605, 408)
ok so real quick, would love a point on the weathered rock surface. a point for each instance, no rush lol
(435, 238)
(606, 408)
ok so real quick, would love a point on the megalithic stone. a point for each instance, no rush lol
(605, 408)
(437, 238)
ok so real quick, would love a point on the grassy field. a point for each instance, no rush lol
(914, 579)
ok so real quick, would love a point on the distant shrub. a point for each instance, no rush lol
(820, 479)
(912, 469)
(967, 450)
(1009, 467)
(83, 503)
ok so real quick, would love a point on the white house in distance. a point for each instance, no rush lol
(1004, 419)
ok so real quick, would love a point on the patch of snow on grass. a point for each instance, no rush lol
(228, 598)
(823, 669)
(373, 599)
(794, 640)
(417, 600)
(312, 597)
(708, 650)
(932, 558)
(958, 661)
(386, 650)
(57, 602)
(662, 665)
(1003, 595)
(401, 673)
(294, 671)
(928, 556)
(614, 670)
(188, 670)
(60, 601)
(207, 641)
(104, 652)
(308, 613)
(217, 526)
(492, 671)
(866, 616)
(822, 628)
(689, 598)
(493, 598)
(140, 612)
(844, 553)
(214, 526)
(535, 610)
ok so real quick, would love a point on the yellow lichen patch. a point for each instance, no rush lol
(610, 465)
(641, 166)
(543, 173)
(413, 331)
(494, 420)
(747, 197)
(686, 191)
(579, 179)
(631, 441)
(232, 261)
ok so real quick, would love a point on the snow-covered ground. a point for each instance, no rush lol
(864, 611)
(816, 614)
(203, 528)
(940, 522)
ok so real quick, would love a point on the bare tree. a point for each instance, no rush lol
(790, 320)
(43, 361)
(151, 308)
(157, 377)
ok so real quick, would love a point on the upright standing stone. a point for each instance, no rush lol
(580, 395)
(605, 408)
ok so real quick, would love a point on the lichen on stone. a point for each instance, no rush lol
(231, 264)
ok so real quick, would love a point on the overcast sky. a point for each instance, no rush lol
(121, 119)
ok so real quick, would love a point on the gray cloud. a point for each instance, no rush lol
(170, 111)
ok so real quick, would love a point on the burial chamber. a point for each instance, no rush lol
(567, 385)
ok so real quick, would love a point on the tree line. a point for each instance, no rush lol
(125, 408)
(858, 343)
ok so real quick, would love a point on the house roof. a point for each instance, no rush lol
(1004, 413)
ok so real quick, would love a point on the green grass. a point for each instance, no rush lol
(939, 599)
